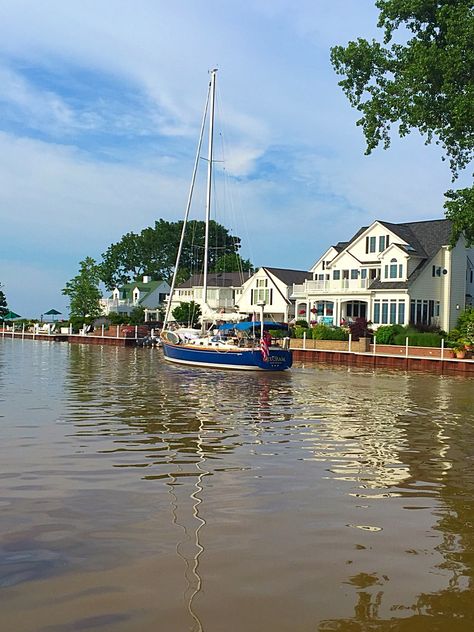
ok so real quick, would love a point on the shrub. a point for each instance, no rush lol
(300, 331)
(359, 328)
(117, 319)
(386, 334)
(278, 333)
(466, 324)
(324, 332)
(418, 339)
(301, 323)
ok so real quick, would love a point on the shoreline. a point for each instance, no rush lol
(429, 361)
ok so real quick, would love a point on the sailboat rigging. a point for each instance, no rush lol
(247, 346)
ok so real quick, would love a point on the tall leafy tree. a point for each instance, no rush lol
(188, 313)
(233, 262)
(423, 81)
(3, 302)
(153, 252)
(83, 291)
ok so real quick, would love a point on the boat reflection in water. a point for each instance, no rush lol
(135, 491)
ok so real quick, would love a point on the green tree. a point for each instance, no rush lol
(188, 313)
(83, 291)
(153, 252)
(424, 82)
(3, 302)
(233, 262)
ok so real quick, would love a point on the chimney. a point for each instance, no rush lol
(146, 279)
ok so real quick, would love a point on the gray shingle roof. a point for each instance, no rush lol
(288, 277)
(217, 279)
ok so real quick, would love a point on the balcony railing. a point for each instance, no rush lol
(326, 287)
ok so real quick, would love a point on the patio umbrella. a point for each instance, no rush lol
(52, 312)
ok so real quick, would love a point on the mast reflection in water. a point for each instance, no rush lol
(142, 496)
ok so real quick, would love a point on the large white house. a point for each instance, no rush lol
(391, 273)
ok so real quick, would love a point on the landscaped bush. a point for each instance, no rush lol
(323, 332)
(359, 328)
(301, 323)
(416, 339)
(386, 334)
(278, 333)
(300, 331)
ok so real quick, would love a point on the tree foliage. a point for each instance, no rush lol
(83, 291)
(187, 313)
(423, 82)
(3, 302)
(153, 252)
(233, 262)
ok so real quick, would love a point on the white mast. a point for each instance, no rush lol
(209, 184)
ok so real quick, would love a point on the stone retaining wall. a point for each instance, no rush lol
(357, 346)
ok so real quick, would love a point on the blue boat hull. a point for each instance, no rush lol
(245, 359)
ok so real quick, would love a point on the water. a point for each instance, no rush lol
(139, 496)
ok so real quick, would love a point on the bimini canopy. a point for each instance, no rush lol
(247, 325)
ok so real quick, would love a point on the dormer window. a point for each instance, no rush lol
(394, 270)
(381, 243)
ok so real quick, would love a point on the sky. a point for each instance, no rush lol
(100, 109)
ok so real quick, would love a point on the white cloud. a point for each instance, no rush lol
(121, 156)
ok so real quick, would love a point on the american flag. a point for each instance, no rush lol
(264, 348)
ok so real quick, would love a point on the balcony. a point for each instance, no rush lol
(330, 287)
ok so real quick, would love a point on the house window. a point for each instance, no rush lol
(393, 268)
(363, 274)
(401, 312)
(324, 265)
(336, 275)
(372, 244)
(393, 312)
(354, 274)
(376, 312)
(400, 270)
(381, 243)
(384, 312)
(437, 309)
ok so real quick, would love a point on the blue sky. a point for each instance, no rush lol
(100, 107)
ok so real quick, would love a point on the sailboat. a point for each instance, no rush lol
(245, 346)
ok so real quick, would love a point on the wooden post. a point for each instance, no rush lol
(304, 341)
(136, 332)
(23, 332)
(102, 331)
(442, 348)
(350, 343)
(375, 344)
(406, 347)
(118, 331)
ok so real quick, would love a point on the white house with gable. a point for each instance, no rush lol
(391, 273)
(271, 289)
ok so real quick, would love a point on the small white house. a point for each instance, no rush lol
(391, 273)
(148, 294)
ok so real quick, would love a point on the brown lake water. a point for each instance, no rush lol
(139, 496)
